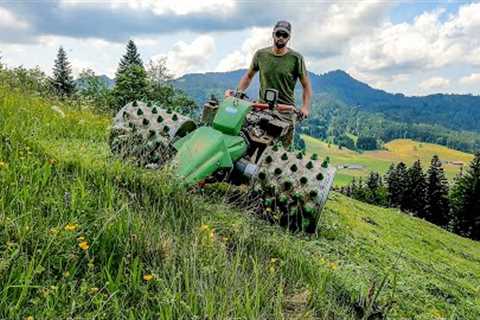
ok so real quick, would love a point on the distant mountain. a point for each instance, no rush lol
(458, 112)
(103, 78)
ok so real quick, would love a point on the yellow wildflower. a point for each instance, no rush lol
(66, 274)
(332, 265)
(204, 227)
(71, 227)
(81, 238)
(272, 268)
(3, 165)
(84, 245)
(53, 231)
(148, 277)
(273, 260)
(29, 318)
(93, 290)
(212, 234)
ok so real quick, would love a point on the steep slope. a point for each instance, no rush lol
(84, 236)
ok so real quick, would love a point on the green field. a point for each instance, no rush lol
(395, 151)
(84, 236)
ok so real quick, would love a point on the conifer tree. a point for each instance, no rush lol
(131, 78)
(396, 180)
(131, 57)
(436, 196)
(414, 199)
(62, 80)
(466, 201)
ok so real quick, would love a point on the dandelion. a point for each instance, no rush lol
(332, 265)
(94, 290)
(3, 165)
(204, 227)
(84, 245)
(71, 227)
(29, 318)
(148, 277)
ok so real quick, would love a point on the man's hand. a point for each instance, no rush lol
(229, 93)
(305, 112)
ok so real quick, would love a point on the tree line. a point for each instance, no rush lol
(133, 81)
(426, 195)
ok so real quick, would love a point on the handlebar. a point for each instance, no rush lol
(279, 107)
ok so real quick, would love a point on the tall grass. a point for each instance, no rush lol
(83, 235)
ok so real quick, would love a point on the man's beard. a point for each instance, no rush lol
(280, 45)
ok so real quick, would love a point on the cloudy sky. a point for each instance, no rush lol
(413, 47)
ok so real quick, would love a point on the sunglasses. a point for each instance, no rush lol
(281, 34)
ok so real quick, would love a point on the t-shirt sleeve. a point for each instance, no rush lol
(301, 68)
(254, 65)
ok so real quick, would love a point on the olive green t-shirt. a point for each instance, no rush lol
(278, 72)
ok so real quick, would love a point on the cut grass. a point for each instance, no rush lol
(156, 250)
(405, 150)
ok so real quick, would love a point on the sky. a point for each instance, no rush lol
(410, 47)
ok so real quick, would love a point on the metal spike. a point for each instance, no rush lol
(277, 171)
(154, 110)
(314, 156)
(319, 176)
(284, 157)
(262, 175)
(309, 165)
(294, 168)
(303, 180)
(139, 111)
(159, 119)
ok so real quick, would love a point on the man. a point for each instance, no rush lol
(280, 67)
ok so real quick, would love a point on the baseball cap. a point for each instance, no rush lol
(283, 26)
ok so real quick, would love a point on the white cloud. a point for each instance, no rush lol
(184, 57)
(473, 79)
(9, 21)
(259, 38)
(161, 7)
(435, 83)
(335, 25)
(427, 43)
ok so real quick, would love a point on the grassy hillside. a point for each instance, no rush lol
(395, 151)
(83, 235)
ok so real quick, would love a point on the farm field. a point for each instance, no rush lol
(405, 150)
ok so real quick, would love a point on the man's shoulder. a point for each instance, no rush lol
(295, 53)
(263, 51)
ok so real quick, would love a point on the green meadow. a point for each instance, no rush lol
(85, 236)
(405, 150)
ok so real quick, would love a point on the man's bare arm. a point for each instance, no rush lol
(307, 95)
(245, 80)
